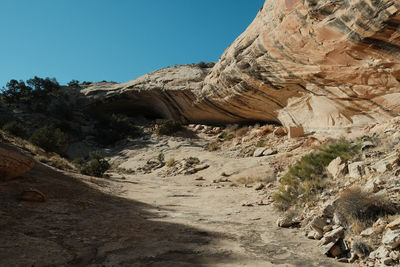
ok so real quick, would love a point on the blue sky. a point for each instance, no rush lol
(114, 40)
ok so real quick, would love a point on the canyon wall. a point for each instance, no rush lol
(319, 64)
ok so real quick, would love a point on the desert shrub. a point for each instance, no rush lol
(265, 130)
(168, 127)
(171, 162)
(191, 161)
(214, 146)
(226, 136)
(50, 138)
(305, 177)
(97, 165)
(261, 143)
(16, 129)
(361, 248)
(356, 207)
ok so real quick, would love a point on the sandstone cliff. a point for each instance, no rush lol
(312, 63)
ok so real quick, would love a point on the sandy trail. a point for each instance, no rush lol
(239, 235)
(148, 219)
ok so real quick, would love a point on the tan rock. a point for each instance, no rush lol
(355, 170)
(336, 167)
(33, 195)
(310, 63)
(391, 238)
(13, 164)
(296, 131)
(394, 224)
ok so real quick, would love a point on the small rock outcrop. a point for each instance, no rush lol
(13, 164)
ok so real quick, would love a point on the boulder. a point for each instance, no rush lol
(318, 224)
(32, 195)
(355, 170)
(13, 164)
(394, 224)
(387, 163)
(391, 238)
(269, 152)
(259, 152)
(332, 236)
(380, 253)
(336, 167)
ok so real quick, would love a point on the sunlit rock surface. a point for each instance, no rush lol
(318, 64)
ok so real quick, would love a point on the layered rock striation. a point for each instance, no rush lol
(318, 64)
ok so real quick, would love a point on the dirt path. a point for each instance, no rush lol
(149, 219)
(236, 235)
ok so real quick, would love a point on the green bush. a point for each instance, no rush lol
(16, 129)
(97, 166)
(169, 127)
(305, 177)
(50, 138)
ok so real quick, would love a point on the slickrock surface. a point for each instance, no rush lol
(312, 63)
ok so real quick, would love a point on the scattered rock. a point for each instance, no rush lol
(332, 236)
(318, 224)
(379, 253)
(269, 152)
(355, 170)
(259, 152)
(367, 144)
(391, 238)
(260, 187)
(386, 163)
(325, 249)
(368, 232)
(387, 261)
(372, 186)
(196, 169)
(286, 221)
(32, 195)
(200, 179)
(394, 224)
(336, 167)
(394, 255)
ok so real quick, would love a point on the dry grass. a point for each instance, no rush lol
(242, 131)
(171, 162)
(214, 146)
(252, 180)
(265, 130)
(358, 210)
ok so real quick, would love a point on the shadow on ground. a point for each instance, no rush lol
(83, 225)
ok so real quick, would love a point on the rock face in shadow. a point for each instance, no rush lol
(13, 164)
(313, 63)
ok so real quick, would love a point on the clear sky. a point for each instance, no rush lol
(114, 40)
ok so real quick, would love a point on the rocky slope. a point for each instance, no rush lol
(317, 64)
